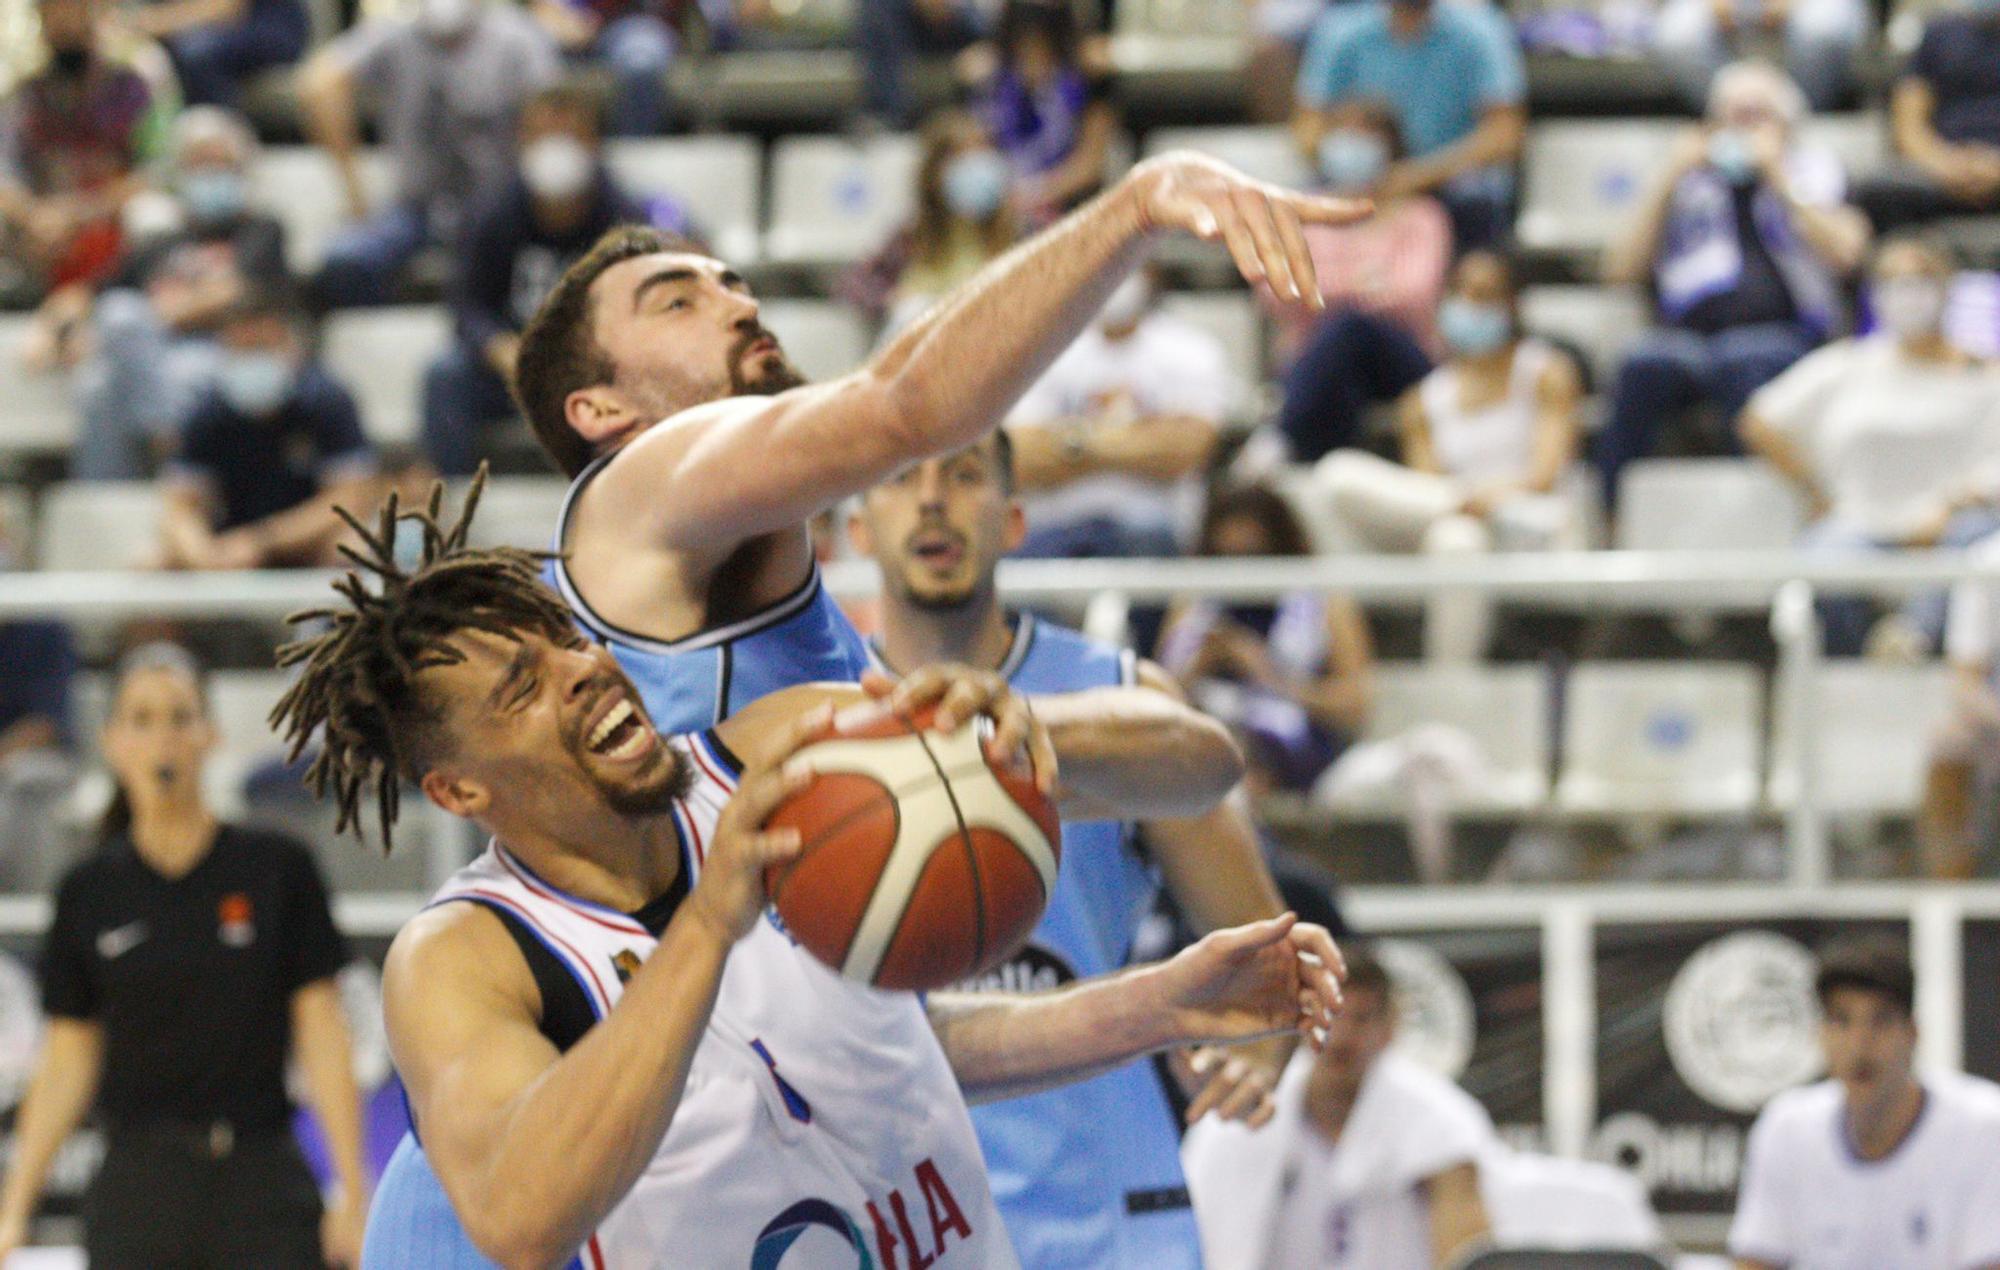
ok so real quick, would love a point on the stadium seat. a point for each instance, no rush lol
(1707, 505)
(1601, 322)
(517, 511)
(719, 178)
(1183, 19)
(1585, 177)
(1231, 317)
(36, 413)
(1872, 729)
(1665, 739)
(16, 520)
(834, 201)
(1547, 1201)
(98, 525)
(1504, 709)
(299, 185)
(1267, 152)
(380, 355)
(1860, 140)
(824, 339)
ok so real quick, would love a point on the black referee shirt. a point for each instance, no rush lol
(192, 977)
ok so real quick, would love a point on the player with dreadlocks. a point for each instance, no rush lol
(612, 1059)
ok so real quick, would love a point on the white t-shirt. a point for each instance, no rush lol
(1809, 1203)
(1167, 366)
(1888, 438)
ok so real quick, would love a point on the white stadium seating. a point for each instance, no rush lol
(98, 525)
(718, 178)
(517, 511)
(381, 355)
(833, 201)
(1504, 709)
(36, 413)
(1660, 739)
(1266, 152)
(301, 187)
(1583, 178)
(1601, 322)
(823, 339)
(1707, 505)
(1871, 732)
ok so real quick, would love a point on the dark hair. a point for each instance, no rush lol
(1365, 972)
(559, 353)
(574, 97)
(157, 655)
(264, 299)
(1262, 504)
(357, 692)
(1870, 964)
(1050, 19)
(1003, 459)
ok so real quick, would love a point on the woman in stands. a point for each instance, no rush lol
(1044, 98)
(1893, 439)
(1485, 440)
(188, 960)
(1291, 677)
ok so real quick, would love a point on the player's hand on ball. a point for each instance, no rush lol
(1236, 1083)
(730, 894)
(960, 693)
(1264, 979)
(1261, 224)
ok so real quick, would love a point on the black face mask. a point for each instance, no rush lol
(69, 63)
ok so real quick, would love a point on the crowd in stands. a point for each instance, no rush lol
(1799, 312)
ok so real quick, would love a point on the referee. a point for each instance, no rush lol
(187, 960)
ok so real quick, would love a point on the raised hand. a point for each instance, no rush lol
(1248, 982)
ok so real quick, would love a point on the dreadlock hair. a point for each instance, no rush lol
(357, 692)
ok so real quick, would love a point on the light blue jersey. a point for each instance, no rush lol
(692, 684)
(1087, 1176)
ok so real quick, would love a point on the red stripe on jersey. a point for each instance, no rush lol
(708, 764)
(548, 892)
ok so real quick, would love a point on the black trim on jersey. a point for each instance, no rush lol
(720, 749)
(726, 665)
(657, 912)
(566, 1012)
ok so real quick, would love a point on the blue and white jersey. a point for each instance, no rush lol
(1089, 1175)
(697, 682)
(820, 1127)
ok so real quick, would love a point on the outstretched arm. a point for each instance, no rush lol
(740, 469)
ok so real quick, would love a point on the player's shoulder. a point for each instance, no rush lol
(1966, 1099)
(1048, 643)
(453, 947)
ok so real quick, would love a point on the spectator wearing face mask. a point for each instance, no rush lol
(154, 324)
(448, 86)
(1382, 279)
(1046, 105)
(631, 39)
(1892, 438)
(1945, 119)
(1744, 241)
(1695, 38)
(219, 46)
(963, 220)
(1111, 443)
(268, 452)
(1453, 75)
(1485, 440)
(519, 241)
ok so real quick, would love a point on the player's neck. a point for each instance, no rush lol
(1880, 1126)
(624, 863)
(974, 634)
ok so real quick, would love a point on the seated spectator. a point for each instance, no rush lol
(889, 34)
(1111, 443)
(447, 86)
(1382, 279)
(37, 768)
(75, 137)
(635, 43)
(1944, 116)
(1744, 241)
(153, 327)
(1291, 677)
(1046, 106)
(1279, 29)
(219, 46)
(520, 239)
(1453, 75)
(1370, 1160)
(268, 452)
(1485, 440)
(1694, 38)
(963, 221)
(1877, 1165)
(1956, 822)
(1893, 439)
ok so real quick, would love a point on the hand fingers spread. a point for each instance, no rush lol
(1242, 247)
(1255, 209)
(1293, 236)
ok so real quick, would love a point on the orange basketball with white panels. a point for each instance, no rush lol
(922, 863)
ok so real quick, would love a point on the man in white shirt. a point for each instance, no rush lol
(1111, 443)
(1877, 1168)
(1371, 1161)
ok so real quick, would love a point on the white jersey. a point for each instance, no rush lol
(821, 1125)
(1808, 1202)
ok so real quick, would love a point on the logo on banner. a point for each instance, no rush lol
(1435, 1023)
(1739, 1019)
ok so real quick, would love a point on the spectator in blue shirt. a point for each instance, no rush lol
(1452, 73)
(37, 769)
(521, 237)
(266, 455)
(218, 46)
(1945, 117)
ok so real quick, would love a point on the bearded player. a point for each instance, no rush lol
(614, 1056)
(698, 455)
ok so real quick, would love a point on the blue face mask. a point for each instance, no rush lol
(255, 384)
(214, 195)
(975, 183)
(1729, 154)
(1351, 160)
(1473, 330)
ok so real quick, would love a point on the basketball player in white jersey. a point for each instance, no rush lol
(614, 1055)
(698, 456)
(1877, 1167)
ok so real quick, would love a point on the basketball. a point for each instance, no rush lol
(921, 864)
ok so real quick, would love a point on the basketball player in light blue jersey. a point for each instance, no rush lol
(1088, 1175)
(699, 456)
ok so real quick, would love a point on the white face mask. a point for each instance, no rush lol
(1910, 306)
(446, 19)
(556, 167)
(1127, 304)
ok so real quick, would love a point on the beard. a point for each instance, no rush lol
(776, 374)
(662, 785)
